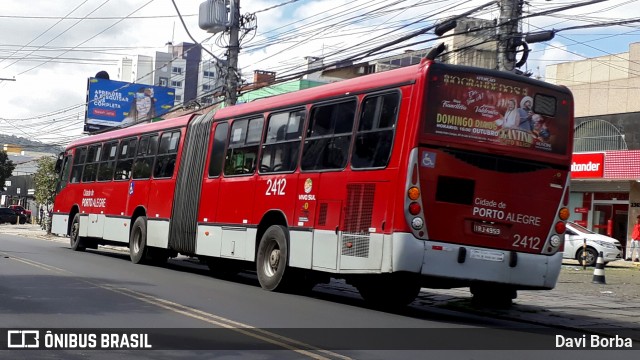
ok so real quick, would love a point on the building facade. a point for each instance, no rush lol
(605, 184)
(181, 67)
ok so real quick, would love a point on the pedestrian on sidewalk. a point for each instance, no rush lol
(634, 252)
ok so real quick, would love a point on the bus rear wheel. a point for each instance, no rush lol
(273, 258)
(75, 240)
(138, 241)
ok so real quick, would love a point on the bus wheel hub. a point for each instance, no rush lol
(274, 259)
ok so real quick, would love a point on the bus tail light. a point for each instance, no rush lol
(560, 227)
(413, 193)
(563, 214)
(555, 241)
(414, 208)
(417, 223)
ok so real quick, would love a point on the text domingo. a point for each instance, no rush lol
(463, 122)
(500, 213)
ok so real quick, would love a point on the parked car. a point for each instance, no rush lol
(8, 215)
(20, 210)
(574, 240)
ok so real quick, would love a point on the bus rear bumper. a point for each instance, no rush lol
(462, 265)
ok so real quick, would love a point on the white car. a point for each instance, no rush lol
(574, 240)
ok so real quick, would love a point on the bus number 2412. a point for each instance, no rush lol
(276, 186)
(529, 242)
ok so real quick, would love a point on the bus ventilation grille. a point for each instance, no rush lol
(322, 217)
(356, 244)
(357, 219)
(495, 163)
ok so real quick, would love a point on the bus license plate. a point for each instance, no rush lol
(485, 229)
(486, 255)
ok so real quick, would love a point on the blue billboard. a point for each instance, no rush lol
(113, 103)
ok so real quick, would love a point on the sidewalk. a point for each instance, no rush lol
(576, 303)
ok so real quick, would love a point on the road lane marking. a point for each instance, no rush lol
(245, 329)
(35, 264)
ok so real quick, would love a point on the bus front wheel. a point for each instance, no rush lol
(138, 241)
(75, 240)
(273, 258)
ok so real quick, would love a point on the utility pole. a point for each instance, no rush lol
(509, 36)
(234, 49)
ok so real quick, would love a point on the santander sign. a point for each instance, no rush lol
(587, 165)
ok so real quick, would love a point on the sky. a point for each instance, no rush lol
(49, 48)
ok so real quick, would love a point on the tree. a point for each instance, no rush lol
(6, 168)
(46, 179)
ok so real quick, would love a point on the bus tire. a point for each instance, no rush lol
(138, 241)
(76, 241)
(273, 258)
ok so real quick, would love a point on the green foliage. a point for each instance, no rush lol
(46, 179)
(6, 168)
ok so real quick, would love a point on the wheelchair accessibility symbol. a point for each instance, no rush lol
(428, 159)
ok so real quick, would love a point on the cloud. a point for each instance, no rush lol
(545, 54)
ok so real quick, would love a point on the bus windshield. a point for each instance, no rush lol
(473, 107)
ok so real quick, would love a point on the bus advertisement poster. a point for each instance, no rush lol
(497, 111)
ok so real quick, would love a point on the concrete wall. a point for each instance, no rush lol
(602, 85)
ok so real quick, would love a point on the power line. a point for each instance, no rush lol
(94, 36)
(277, 6)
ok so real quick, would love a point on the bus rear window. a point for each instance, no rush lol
(544, 105)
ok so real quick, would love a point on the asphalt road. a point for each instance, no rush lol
(45, 285)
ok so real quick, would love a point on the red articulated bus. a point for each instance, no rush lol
(431, 175)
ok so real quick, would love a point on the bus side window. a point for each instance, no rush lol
(64, 175)
(217, 149)
(143, 164)
(167, 154)
(281, 144)
(125, 159)
(374, 138)
(243, 146)
(91, 166)
(78, 164)
(328, 136)
(108, 161)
